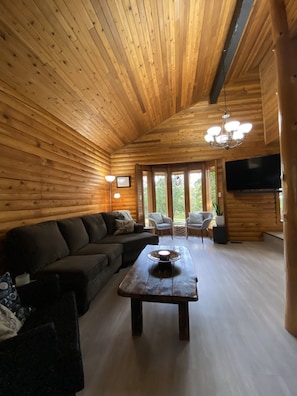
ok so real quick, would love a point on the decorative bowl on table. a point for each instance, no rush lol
(164, 256)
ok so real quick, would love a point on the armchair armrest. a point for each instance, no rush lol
(25, 372)
(152, 222)
(167, 220)
(206, 222)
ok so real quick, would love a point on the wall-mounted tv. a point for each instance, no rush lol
(254, 174)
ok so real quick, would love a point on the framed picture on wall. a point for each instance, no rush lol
(123, 181)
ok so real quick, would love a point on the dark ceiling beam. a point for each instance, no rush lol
(240, 16)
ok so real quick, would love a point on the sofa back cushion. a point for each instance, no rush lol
(74, 232)
(110, 218)
(95, 226)
(30, 248)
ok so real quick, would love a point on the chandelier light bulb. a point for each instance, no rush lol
(221, 139)
(237, 135)
(209, 138)
(214, 131)
(231, 126)
(245, 128)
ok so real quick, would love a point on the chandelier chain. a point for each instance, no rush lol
(231, 133)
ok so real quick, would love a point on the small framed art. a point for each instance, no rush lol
(123, 181)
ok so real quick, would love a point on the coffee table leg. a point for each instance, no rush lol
(136, 317)
(183, 313)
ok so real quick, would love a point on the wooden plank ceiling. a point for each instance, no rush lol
(115, 69)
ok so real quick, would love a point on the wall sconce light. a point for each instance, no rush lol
(110, 179)
(117, 195)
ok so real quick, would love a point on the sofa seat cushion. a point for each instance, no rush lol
(111, 250)
(95, 226)
(32, 247)
(83, 267)
(131, 242)
(74, 232)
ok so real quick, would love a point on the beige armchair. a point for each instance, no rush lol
(161, 223)
(199, 221)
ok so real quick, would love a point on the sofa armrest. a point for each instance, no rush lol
(138, 228)
(41, 291)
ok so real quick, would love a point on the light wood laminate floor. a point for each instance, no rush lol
(238, 345)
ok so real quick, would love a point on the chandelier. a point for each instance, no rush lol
(231, 134)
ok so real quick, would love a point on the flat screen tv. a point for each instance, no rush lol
(254, 174)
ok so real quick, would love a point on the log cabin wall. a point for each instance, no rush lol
(48, 171)
(180, 139)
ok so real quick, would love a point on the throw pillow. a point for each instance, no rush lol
(157, 217)
(9, 323)
(126, 214)
(195, 218)
(10, 299)
(109, 218)
(124, 227)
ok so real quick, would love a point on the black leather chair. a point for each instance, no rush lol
(45, 357)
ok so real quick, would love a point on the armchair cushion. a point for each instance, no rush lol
(157, 217)
(195, 218)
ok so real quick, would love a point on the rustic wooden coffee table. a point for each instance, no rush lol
(149, 281)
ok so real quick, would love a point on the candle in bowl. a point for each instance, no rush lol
(164, 255)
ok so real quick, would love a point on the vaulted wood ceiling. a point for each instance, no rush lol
(115, 69)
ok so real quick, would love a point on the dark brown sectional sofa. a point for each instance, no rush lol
(83, 251)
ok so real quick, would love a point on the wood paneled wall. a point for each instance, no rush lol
(180, 139)
(249, 215)
(269, 98)
(48, 170)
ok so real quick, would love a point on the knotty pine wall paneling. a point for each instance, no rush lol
(249, 215)
(181, 140)
(48, 171)
(127, 201)
(269, 97)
